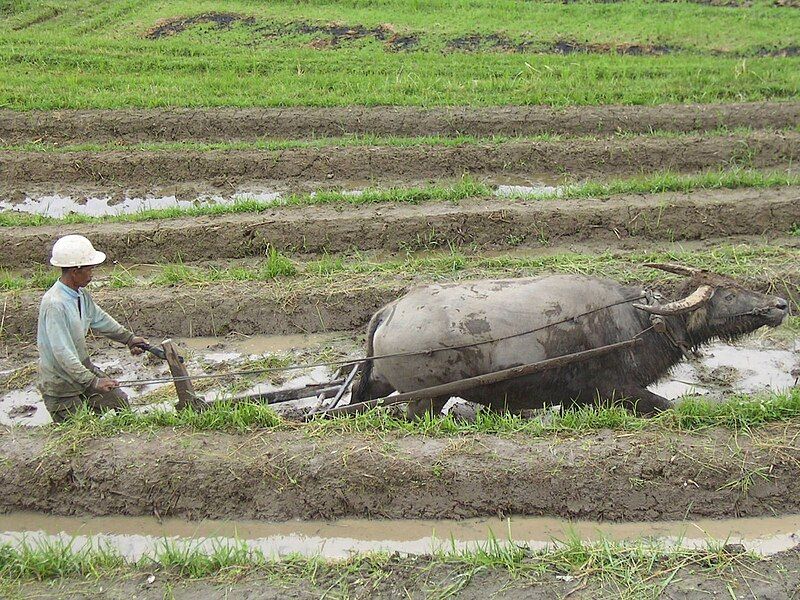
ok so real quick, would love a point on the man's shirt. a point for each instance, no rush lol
(65, 317)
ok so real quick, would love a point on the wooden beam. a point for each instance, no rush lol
(184, 387)
(454, 387)
(311, 390)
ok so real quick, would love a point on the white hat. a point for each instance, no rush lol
(75, 251)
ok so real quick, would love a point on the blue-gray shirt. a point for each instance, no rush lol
(65, 317)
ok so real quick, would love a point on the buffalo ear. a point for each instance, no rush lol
(674, 268)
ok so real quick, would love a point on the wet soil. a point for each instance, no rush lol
(584, 158)
(176, 25)
(229, 124)
(777, 577)
(279, 475)
(762, 362)
(22, 404)
(277, 307)
(498, 42)
(253, 308)
(332, 35)
(492, 224)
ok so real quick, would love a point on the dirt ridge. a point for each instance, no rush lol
(231, 124)
(484, 223)
(231, 168)
(276, 308)
(287, 474)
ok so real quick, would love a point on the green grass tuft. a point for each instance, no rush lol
(739, 413)
(50, 559)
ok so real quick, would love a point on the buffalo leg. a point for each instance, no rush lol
(643, 402)
(416, 409)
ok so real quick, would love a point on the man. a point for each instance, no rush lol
(67, 378)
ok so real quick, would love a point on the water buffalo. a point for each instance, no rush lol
(562, 314)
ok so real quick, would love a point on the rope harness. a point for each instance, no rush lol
(658, 324)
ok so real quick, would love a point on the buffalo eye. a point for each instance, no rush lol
(729, 297)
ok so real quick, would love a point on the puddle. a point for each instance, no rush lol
(58, 206)
(749, 367)
(135, 536)
(13, 403)
(203, 355)
(725, 369)
(523, 191)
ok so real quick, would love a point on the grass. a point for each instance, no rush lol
(54, 559)
(354, 140)
(465, 188)
(39, 278)
(674, 182)
(631, 570)
(738, 413)
(81, 54)
(741, 261)
(272, 266)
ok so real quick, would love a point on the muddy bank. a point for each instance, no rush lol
(584, 158)
(274, 308)
(251, 308)
(484, 223)
(279, 475)
(777, 577)
(230, 124)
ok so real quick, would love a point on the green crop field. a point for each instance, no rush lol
(125, 53)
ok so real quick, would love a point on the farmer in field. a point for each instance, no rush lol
(67, 378)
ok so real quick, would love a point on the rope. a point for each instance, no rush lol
(356, 361)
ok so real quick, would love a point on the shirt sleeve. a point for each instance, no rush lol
(64, 351)
(102, 322)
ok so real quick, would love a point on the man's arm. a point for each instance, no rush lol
(104, 323)
(64, 351)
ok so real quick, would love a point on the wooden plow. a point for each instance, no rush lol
(329, 394)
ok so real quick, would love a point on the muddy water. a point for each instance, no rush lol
(724, 368)
(134, 537)
(203, 355)
(751, 366)
(58, 206)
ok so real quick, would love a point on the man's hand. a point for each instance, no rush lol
(105, 384)
(135, 345)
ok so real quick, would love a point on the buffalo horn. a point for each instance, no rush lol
(698, 297)
(674, 268)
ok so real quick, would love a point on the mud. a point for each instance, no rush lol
(418, 578)
(584, 158)
(229, 124)
(276, 308)
(617, 223)
(497, 42)
(60, 206)
(174, 26)
(335, 34)
(249, 309)
(135, 537)
(22, 404)
(754, 365)
(279, 475)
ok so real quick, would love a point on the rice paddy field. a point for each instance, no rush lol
(265, 176)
